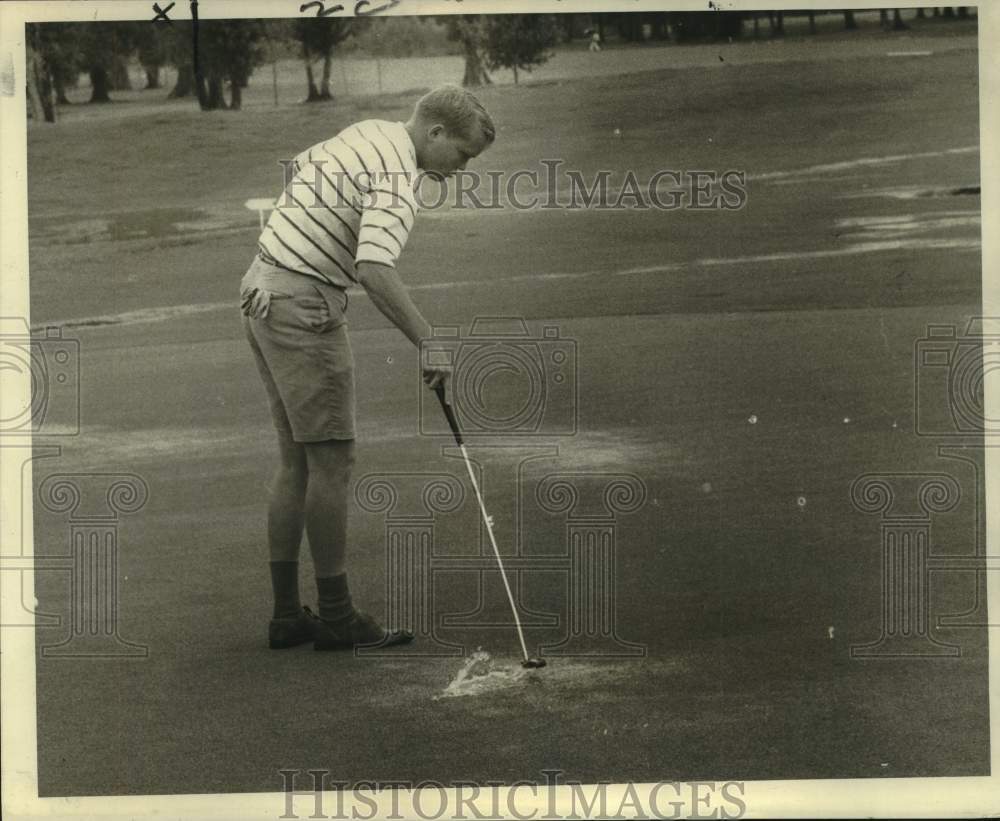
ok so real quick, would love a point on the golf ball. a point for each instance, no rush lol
(801, 501)
(753, 419)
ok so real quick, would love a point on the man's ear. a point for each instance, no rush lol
(435, 131)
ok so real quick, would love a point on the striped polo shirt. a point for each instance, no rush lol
(349, 200)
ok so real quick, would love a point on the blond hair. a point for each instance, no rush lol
(457, 110)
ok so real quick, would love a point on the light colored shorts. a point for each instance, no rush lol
(296, 327)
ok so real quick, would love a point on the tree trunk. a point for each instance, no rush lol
(777, 23)
(313, 93)
(660, 26)
(567, 26)
(883, 18)
(201, 91)
(849, 21)
(99, 85)
(812, 22)
(236, 93)
(324, 87)
(897, 21)
(204, 103)
(515, 73)
(185, 82)
(216, 93)
(40, 91)
(921, 15)
(59, 84)
(152, 76)
(475, 71)
(120, 81)
(628, 27)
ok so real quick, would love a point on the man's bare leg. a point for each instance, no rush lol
(286, 509)
(329, 465)
(342, 626)
(285, 521)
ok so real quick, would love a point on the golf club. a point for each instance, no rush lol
(528, 661)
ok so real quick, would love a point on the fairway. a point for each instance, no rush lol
(740, 368)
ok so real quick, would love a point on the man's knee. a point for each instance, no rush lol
(332, 459)
(291, 478)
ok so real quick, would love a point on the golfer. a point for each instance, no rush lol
(343, 219)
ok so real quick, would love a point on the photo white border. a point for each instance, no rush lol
(822, 798)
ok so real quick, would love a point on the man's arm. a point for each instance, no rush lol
(389, 295)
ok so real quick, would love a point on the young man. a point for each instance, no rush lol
(343, 219)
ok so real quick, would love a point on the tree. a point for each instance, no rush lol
(177, 51)
(715, 25)
(629, 26)
(229, 50)
(849, 22)
(151, 49)
(661, 25)
(102, 45)
(470, 31)
(121, 44)
(59, 46)
(566, 24)
(519, 41)
(318, 36)
(118, 74)
(39, 78)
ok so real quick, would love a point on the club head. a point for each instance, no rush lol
(533, 663)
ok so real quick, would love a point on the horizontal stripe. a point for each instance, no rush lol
(389, 251)
(374, 212)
